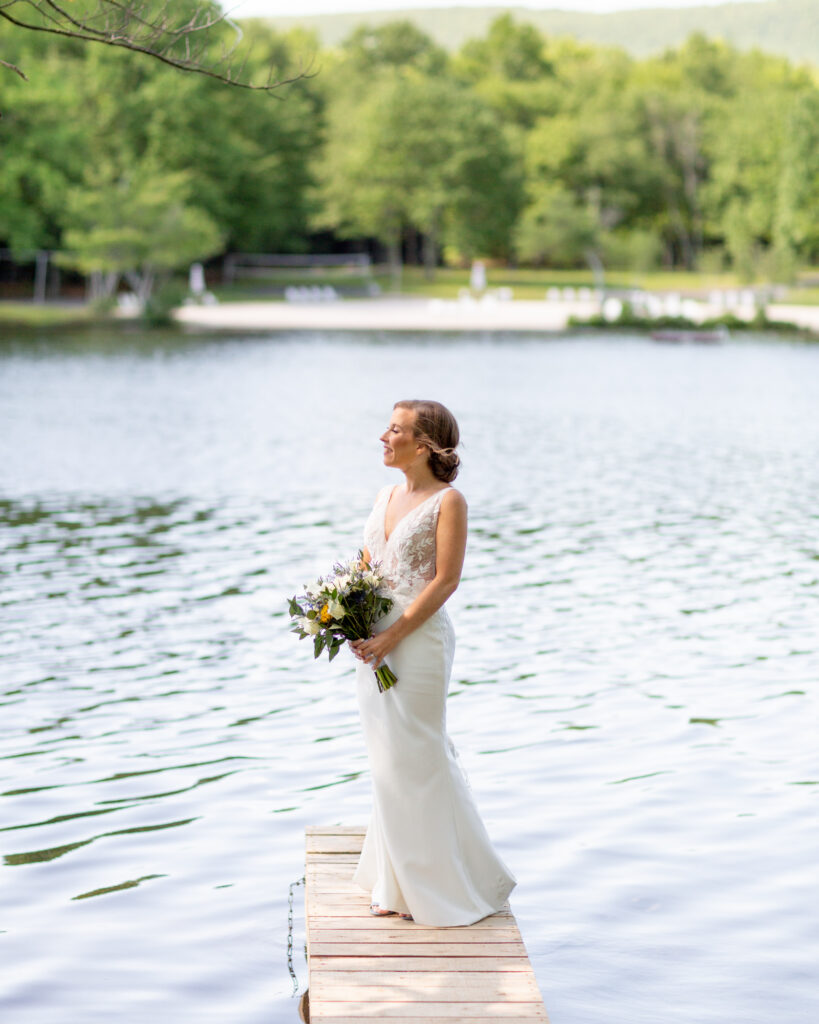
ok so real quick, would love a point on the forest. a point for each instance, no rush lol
(516, 147)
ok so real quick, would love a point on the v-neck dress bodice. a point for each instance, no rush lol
(407, 556)
(426, 852)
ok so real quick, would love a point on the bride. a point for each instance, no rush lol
(426, 856)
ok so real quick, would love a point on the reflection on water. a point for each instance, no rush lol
(634, 693)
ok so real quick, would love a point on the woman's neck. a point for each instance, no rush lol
(419, 478)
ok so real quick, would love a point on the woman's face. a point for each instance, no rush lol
(401, 448)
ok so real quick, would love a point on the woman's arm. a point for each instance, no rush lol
(450, 547)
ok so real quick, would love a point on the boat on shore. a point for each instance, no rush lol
(679, 335)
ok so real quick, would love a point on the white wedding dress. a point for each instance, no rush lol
(426, 852)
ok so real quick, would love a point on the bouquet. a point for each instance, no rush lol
(343, 606)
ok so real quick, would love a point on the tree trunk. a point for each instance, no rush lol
(142, 283)
(692, 162)
(102, 285)
(430, 253)
(412, 246)
(41, 275)
(394, 260)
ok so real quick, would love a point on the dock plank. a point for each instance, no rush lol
(414, 949)
(334, 964)
(382, 968)
(431, 986)
(383, 1010)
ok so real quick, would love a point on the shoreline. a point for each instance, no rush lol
(398, 314)
(433, 315)
(413, 314)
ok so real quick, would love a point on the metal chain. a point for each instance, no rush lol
(290, 967)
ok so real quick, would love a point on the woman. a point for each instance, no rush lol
(426, 855)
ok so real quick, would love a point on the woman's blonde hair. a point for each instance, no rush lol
(437, 428)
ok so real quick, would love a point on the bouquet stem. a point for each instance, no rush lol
(385, 677)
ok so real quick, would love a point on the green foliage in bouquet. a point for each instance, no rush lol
(343, 606)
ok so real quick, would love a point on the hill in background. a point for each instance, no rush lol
(787, 27)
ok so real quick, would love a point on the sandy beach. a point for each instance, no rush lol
(401, 314)
(421, 314)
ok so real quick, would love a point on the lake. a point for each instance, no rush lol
(635, 686)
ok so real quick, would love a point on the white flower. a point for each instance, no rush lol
(342, 582)
(310, 626)
(335, 608)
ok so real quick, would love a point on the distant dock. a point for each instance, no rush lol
(370, 968)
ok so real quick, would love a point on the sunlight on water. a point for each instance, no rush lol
(634, 692)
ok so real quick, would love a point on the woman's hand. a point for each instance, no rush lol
(374, 650)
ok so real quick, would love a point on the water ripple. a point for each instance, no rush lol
(634, 693)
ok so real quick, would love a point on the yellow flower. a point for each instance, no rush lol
(325, 615)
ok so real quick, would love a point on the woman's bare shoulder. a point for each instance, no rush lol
(453, 500)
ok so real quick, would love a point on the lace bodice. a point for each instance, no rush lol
(408, 557)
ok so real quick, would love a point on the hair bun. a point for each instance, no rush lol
(444, 464)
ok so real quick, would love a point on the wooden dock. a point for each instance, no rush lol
(370, 968)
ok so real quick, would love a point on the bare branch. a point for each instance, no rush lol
(179, 41)
(13, 67)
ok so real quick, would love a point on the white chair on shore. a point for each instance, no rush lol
(637, 300)
(612, 308)
(692, 310)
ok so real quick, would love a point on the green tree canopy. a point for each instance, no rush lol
(419, 152)
(140, 225)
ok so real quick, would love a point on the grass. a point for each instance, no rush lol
(29, 314)
(526, 283)
(802, 296)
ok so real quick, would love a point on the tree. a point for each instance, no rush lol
(674, 128)
(509, 51)
(191, 35)
(396, 44)
(138, 225)
(248, 159)
(745, 140)
(558, 230)
(43, 150)
(360, 188)
(796, 225)
(465, 190)
(510, 70)
(588, 174)
(418, 152)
